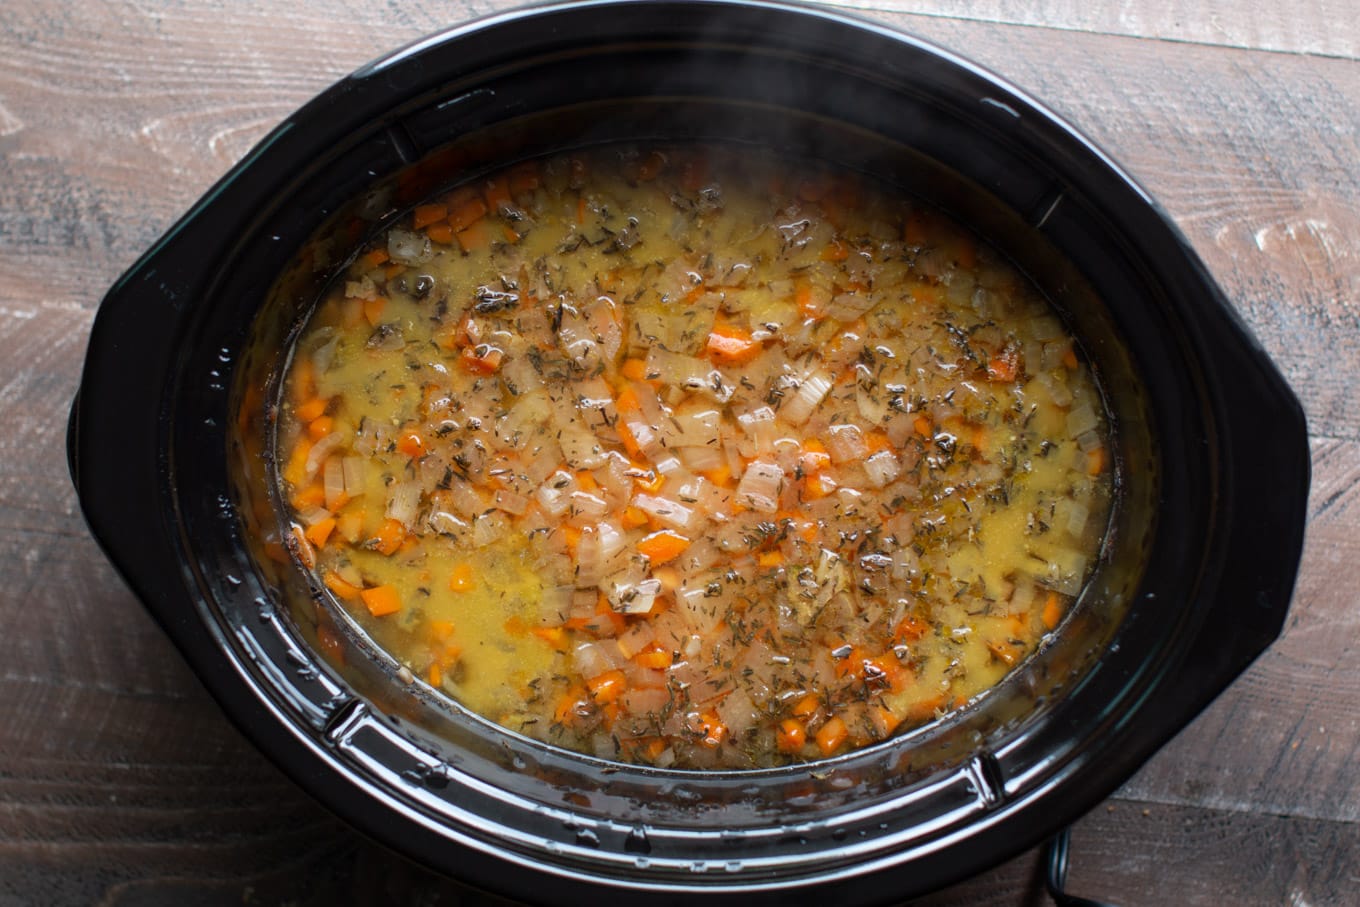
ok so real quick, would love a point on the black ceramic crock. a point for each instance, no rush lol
(1194, 580)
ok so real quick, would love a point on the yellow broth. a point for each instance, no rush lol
(693, 458)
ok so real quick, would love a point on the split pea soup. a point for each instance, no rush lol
(693, 457)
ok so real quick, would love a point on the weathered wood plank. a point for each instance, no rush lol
(1327, 27)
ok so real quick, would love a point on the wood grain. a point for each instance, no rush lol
(1326, 27)
(121, 783)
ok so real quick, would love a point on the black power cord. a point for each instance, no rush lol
(1055, 875)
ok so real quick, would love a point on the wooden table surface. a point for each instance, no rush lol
(122, 783)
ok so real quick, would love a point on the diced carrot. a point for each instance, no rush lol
(634, 369)
(663, 546)
(1003, 368)
(340, 586)
(1004, 650)
(1069, 358)
(496, 193)
(820, 485)
(767, 560)
(319, 427)
(313, 495)
(886, 671)
(460, 580)
(885, 720)
(712, 728)
(633, 518)
(1052, 612)
(571, 705)
(586, 480)
(515, 626)
(441, 233)
(722, 476)
(424, 215)
(571, 537)
(481, 359)
(393, 270)
(509, 234)
(807, 706)
(877, 441)
(436, 674)
(835, 251)
(381, 600)
(474, 237)
(831, 735)
(608, 686)
(467, 214)
(1095, 461)
(728, 345)
(373, 259)
(318, 532)
(923, 426)
(412, 445)
(790, 735)
(314, 408)
(668, 577)
(440, 630)
(910, 629)
(657, 659)
(373, 309)
(553, 636)
(390, 536)
(581, 210)
(809, 306)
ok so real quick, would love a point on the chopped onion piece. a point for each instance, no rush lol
(881, 468)
(846, 443)
(488, 528)
(554, 495)
(1081, 420)
(323, 449)
(403, 502)
(333, 481)
(352, 469)
(669, 512)
(807, 398)
(761, 486)
(408, 248)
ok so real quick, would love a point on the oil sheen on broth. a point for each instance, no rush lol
(692, 457)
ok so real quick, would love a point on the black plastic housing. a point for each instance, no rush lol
(1194, 584)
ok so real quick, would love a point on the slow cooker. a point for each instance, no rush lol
(169, 449)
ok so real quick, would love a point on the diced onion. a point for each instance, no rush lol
(669, 512)
(352, 469)
(806, 399)
(846, 443)
(760, 486)
(323, 449)
(403, 502)
(881, 468)
(333, 481)
(488, 528)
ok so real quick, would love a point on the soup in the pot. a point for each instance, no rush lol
(693, 457)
